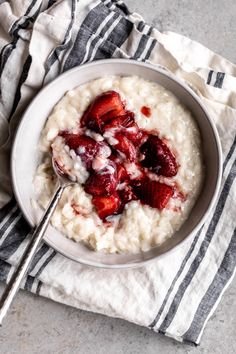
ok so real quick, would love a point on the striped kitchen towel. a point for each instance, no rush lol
(39, 39)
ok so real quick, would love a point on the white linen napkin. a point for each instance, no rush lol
(39, 40)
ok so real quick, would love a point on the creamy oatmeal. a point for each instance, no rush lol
(144, 154)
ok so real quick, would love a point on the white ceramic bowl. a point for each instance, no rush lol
(25, 157)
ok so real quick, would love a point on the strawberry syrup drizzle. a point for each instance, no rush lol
(146, 111)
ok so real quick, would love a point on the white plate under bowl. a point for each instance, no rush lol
(25, 157)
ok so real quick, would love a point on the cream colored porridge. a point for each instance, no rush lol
(139, 226)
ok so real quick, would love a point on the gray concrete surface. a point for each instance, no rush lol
(39, 326)
(36, 325)
(210, 22)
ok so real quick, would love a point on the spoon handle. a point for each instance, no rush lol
(19, 273)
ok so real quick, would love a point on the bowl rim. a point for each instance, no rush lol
(172, 77)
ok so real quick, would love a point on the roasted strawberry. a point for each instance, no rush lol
(137, 183)
(158, 157)
(153, 193)
(124, 121)
(105, 107)
(114, 158)
(75, 141)
(122, 174)
(107, 206)
(103, 182)
(84, 146)
(127, 194)
(125, 146)
(125, 116)
(136, 135)
(126, 125)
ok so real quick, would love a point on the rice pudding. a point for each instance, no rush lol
(134, 151)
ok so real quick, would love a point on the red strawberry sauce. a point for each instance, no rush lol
(130, 149)
(146, 111)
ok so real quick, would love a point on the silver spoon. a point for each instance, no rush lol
(36, 237)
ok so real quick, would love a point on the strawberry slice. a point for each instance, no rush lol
(122, 174)
(105, 107)
(125, 146)
(136, 135)
(124, 121)
(103, 182)
(158, 157)
(153, 193)
(126, 124)
(127, 194)
(107, 206)
(75, 141)
(84, 146)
